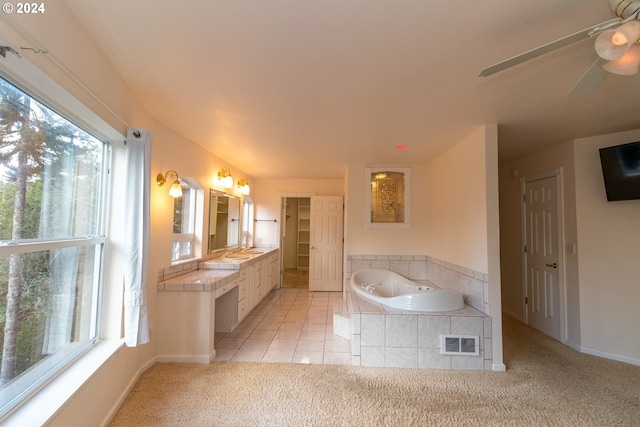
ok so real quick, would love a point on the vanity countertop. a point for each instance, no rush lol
(213, 274)
(233, 263)
(199, 280)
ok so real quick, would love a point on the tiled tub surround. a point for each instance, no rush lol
(473, 285)
(195, 303)
(383, 336)
(386, 337)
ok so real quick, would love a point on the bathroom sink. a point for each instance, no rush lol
(253, 252)
(237, 256)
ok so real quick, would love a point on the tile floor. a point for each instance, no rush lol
(289, 325)
(294, 278)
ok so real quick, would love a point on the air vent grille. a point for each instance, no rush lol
(460, 345)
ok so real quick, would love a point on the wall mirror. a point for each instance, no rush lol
(388, 197)
(224, 221)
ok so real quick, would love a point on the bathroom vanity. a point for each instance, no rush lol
(215, 297)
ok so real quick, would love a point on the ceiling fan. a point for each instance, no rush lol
(617, 46)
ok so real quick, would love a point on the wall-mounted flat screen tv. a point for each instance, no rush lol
(621, 171)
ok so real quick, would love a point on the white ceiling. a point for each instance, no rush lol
(301, 88)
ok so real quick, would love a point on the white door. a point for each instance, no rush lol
(325, 243)
(542, 256)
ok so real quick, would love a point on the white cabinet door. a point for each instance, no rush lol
(243, 295)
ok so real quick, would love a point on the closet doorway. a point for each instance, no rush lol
(296, 220)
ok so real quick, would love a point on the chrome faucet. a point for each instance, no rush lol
(371, 288)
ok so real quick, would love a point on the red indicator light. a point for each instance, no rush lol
(401, 147)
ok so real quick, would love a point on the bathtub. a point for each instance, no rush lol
(393, 290)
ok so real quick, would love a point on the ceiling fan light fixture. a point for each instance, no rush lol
(614, 44)
(626, 65)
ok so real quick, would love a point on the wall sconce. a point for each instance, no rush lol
(224, 178)
(243, 186)
(176, 188)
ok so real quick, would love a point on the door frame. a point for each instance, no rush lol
(283, 226)
(558, 175)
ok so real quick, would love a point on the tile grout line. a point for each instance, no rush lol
(273, 305)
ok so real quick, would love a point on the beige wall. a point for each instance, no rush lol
(360, 240)
(267, 198)
(608, 256)
(456, 212)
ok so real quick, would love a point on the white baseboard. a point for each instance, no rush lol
(181, 358)
(513, 315)
(610, 356)
(125, 392)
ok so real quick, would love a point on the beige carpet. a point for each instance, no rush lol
(546, 384)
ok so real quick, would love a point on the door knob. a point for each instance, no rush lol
(554, 265)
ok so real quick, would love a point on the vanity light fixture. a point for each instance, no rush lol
(243, 186)
(176, 188)
(224, 178)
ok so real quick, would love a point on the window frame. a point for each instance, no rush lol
(191, 237)
(35, 377)
(247, 232)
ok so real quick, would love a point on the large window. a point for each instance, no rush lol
(184, 218)
(52, 237)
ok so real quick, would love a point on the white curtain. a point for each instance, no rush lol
(58, 219)
(136, 237)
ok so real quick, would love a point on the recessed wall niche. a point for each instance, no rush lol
(387, 197)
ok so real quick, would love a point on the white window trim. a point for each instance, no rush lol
(248, 226)
(42, 406)
(8, 247)
(197, 206)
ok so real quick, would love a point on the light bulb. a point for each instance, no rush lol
(614, 44)
(626, 65)
(176, 190)
(618, 39)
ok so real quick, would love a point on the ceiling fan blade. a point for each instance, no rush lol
(590, 80)
(551, 46)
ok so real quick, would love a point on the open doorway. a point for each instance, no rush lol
(295, 242)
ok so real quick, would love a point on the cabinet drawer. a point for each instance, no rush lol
(243, 308)
(224, 289)
(242, 289)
